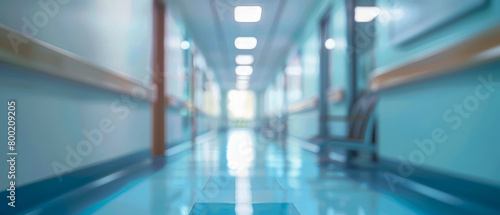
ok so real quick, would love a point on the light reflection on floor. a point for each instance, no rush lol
(250, 177)
(240, 157)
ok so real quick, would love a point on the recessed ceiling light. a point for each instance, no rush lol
(366, 14)
(245, 42)
(242, 77)
(185, 45)
(330, 44)
(242, 82)
(242, 85)
(244, 59)
(244, 70)
(247, 13)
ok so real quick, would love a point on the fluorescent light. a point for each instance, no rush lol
(244, 59)
(366, 14)
(330, 44)
(247, 13)
(242, 85)
(245, 42)
(244, 70)
(242, 77)
(242, 81)
(185, 45)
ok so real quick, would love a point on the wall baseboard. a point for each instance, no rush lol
(465, 193)
(33, 194)
(50, 193)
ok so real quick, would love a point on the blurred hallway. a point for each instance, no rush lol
(241, 107)
(239, 172)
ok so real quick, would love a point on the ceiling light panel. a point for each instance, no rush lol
(242, 77)
(330, 44)
(245, 42)
(247, 13)
(185, 45)
(244, 70)
(242, 85)
(244, 59)
(366, 14)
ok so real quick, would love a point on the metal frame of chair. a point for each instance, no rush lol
(360, 139)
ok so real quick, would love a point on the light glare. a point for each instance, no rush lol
(366, 14)
(245, 42)
(241, 86)
(243, 77)
(242, 82)
(185, 45)
(244, 59)
(247, 13)
(244, 70)
(330, 44)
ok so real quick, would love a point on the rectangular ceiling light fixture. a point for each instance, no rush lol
(244, 59)
(244, 70)
(242, 85)
(243, 82)
(247, 13)
(245, 42)
(242, 77)
(366, 14)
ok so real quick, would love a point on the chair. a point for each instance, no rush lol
(360, 142)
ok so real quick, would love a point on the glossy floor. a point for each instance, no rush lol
(239, 173)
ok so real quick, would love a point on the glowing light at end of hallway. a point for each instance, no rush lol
(245, 42)
(247, 13)
(185, 45)
(330, 44)
(244, 70)
(241, 105)
(244, 59)
(293, 70)
(366, 14)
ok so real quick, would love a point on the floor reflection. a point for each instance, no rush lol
(240, 156)
(238, 173)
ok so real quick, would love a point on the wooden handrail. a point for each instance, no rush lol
(176, 103)
(478, 50)
(41, 58)
(336, 96)
(302, 106)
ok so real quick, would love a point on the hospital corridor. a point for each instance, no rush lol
(250, 107)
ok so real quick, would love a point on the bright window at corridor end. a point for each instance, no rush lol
(241, 105)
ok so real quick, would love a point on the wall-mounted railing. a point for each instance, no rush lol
(177, 103)
(39, 57)
(478, 50)
(336, 96)
(303, 106)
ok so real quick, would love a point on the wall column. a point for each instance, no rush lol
(158, 106)
(194, 111)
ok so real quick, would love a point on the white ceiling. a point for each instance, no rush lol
(214, 29)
